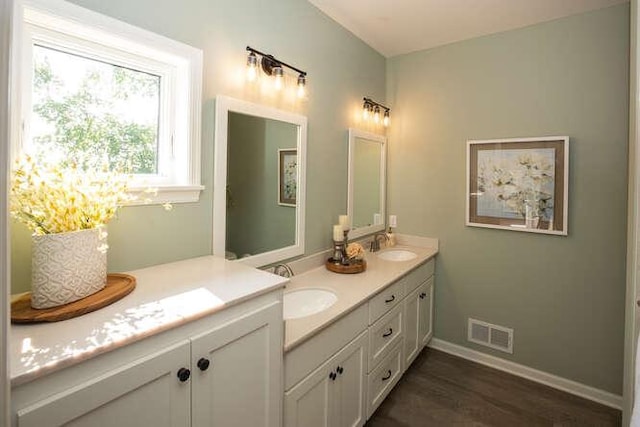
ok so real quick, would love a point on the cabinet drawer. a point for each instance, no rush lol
(382, 379)
(385, 334)
(418, 276)
(385, 301)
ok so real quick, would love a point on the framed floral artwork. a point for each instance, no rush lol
(287, 177)
(518, 184)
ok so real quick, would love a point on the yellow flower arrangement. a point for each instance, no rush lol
(50, 198)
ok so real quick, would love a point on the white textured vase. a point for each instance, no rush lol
(67, 267)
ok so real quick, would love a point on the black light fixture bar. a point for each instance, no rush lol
(272, 58)
(371, 102)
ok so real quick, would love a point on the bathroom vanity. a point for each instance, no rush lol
(198, 342)
(342, 362)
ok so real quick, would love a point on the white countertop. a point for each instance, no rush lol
(351, 290)
(165, 296)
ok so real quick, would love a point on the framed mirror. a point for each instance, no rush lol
(366, 199)
(259, 182)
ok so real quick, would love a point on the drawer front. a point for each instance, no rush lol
(382, 379)
(418, 276)
(385, 334)
(385, 301)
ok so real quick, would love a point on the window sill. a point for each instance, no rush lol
(166, 194)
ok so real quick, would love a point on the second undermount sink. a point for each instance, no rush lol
(397, 255)
(305, 302)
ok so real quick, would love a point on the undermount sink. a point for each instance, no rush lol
(397, 255)
(305, 302)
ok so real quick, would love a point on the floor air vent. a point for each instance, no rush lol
(489, 335)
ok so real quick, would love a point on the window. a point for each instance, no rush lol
(100, 92)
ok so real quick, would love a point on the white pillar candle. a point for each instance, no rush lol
(344, 221)
(338, 236)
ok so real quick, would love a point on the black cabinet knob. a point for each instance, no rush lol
(340, 370)
(203, 364)
(422, 295)
(393, 297)
(332, 375)
(388, 333)
(386, 377)
(183, 374)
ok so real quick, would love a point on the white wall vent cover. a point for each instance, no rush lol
(490, 335)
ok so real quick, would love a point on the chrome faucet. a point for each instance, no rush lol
(375, 243)
(283, 270)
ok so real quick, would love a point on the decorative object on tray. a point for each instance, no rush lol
(118, 286)
(518, 184)
(66, 209)
(347, 258)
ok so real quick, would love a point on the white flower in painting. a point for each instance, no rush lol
(523, 182)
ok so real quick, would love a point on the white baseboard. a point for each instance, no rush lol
(573, 387)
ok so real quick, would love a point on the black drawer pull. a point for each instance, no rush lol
(203, 364)
(388, 333)
(387, 376)
(183, 374)
(393, 297)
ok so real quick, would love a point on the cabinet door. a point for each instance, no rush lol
(334, 394)
(412, 338)
(145, 392)
(425, 323)
(311, 402)
(351, 369)
(237, 371)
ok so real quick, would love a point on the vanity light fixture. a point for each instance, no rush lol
(370, 106)
(274, 67)
(252, 66)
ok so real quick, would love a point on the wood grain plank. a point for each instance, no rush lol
(444, 390)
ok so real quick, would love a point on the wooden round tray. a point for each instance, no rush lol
(356, 267)
(118, 286)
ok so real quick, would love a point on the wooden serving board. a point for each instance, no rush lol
(118, 286)
(356, 267)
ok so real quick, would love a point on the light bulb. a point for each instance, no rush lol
(386, 119)
(279, 77)
(376, 114)
(252, 67)
(302, 81)
(365, 111)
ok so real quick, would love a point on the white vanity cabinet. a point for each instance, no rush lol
(418, 309)
(221, 370)
(333, 394)
(325, 376)
(375, 343)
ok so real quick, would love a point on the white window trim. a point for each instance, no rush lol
(181, 182)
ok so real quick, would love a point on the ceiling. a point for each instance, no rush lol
(395, 27)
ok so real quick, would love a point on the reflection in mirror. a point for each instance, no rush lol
(366, 193)
(259, 182)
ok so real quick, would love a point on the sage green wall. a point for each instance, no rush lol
(341, 70)
(563, 296)
(256, 223)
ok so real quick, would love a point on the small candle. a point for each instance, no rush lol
(337, 233)
(344, 221)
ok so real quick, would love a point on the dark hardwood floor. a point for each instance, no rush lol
(444, 390)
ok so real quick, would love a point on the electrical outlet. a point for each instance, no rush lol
(393, 221)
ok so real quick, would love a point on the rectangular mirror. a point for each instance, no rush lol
(259, 171)
(367, 184)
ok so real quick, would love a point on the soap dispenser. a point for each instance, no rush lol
(391, 238)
